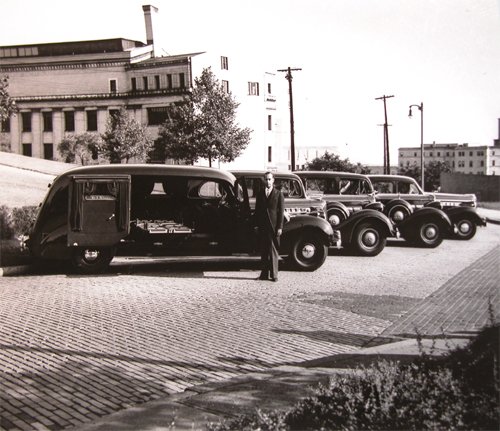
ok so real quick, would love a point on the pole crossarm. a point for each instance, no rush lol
(289, 78)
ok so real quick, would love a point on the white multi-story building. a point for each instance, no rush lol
(72, 87)
(462, 158)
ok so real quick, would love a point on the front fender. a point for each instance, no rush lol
(425, 214)
(371, 216)
(459, 213)
(300, 223)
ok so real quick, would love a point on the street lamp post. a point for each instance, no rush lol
(421, 109)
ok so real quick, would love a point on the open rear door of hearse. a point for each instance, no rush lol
(99, 210)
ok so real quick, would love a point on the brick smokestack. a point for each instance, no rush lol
(150, 16)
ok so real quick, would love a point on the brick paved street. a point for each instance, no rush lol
(74, 348)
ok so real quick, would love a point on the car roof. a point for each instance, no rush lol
(261, 172)
(329, 174)
(152, 169)
(390, 177)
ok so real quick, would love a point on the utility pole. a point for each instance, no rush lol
(387, 161)
(289, 77)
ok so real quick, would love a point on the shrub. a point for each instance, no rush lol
(458, 391)
(23, 218)
(16, 221)
(6, 228)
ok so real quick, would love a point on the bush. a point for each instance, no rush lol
(458, 391)
(6, 229)
(16, 221)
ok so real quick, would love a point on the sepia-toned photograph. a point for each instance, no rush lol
(249, 215)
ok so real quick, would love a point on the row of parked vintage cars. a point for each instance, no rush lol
(93, 213)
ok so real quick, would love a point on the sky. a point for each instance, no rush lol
(442, 53)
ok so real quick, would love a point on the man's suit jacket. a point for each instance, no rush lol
(269, 210)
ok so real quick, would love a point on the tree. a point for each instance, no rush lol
(7, 104)
(125, 138)
(203, 125)
(332, 162)
(432, 173)
(80, 148)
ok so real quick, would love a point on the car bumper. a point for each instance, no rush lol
(336, 239)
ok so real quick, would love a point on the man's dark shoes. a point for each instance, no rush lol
(262, 277)
(274, 279)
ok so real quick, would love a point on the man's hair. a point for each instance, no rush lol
(268, 173)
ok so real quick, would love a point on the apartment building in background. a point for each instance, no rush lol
(72, 87)
(462, 158)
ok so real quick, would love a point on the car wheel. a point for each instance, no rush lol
(308, 252)
(367, 240)
(91, 260)
(429, 234)
(398, 213)
(466, 229)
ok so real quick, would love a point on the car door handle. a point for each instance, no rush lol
(112, 216)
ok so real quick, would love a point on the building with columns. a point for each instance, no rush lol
(72, 87)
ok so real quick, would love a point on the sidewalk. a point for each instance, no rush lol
(452, 314)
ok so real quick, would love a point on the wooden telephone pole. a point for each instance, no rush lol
(289, 77)
(387, 162)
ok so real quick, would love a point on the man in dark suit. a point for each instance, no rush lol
(269, 212)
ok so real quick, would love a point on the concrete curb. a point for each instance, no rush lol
(492, 221)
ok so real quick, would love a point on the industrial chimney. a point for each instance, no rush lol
(150, 16)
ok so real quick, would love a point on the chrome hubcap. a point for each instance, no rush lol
(334, 220)
(369, 239)
(90, 255)
(430, 232)
(398, 215)
(308, 251)
(464, 227)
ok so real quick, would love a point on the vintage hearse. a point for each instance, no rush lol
(92, 213)
(402, 195)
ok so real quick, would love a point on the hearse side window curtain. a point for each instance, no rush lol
(77, 206)
(123, 203)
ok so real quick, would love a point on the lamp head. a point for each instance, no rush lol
(409, 113)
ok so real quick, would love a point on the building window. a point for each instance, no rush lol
(114, 112)
(27, 150)
(439, 154)
(169, 81)
(415, 154)
(269, 87)
(269, 154)
(481, 163)
(224, 63)
(269, 122)
(134, 84)
(48, 151)
(493, 163)
(157, 82)
(182, 80)
(47, 121)
(69, 121)
(225, 86)
(471, 153)
(431, 154)
(145, 84)
(461, 164)
(92, 121)
(5, 125)
(471, 164)
(112, 86)
(447, 153)
(453, 163)
(253, 88)
(157, 116)
(26, 120)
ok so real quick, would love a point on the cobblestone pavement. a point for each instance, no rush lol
(73, 348)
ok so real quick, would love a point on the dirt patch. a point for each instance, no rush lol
(386, 307)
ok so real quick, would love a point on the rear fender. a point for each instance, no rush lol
(459, 213)
(374, 217)
(338, 206)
